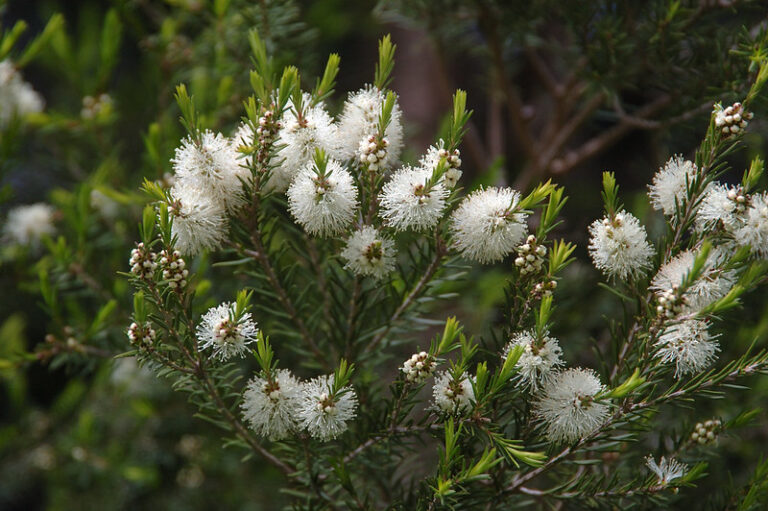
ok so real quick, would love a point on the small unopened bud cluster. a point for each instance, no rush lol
(142, 261)
(543, 289)
(739, 198)
(732, 119)
(266, 133)
(706, 432)
(174, 269)
(530, 256)
(93, 107)
(325, 404)
(419, 367)
(141, 335)
(671, 302)
(452, 174)
(373, 151)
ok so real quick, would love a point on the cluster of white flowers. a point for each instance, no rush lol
(567, 406)
(270, 406)
(359, 121)
(208, 185)
(688, 345)
(619, 246)
(323, 414)
(17, 97)
(731, 119)
(706, 432)
(433, 157)
(530, 256)
(666, 470)
(174, 269)
(224, 334)
(143, 262)
(451, 395)
(419, 367)
(409, 201)
(539, 360)
(26, 225)
(712, 284)
(323, 201)
(369, 253)
(754, 229)
(300, 134)
(281, 405)
(487, 225)
(671, 183)
(139, 334)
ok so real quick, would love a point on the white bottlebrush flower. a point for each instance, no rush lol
(486, 227)
(298, 138)
(453, 159)
(272, 407)
(225, 335)
(539, 358)
(667, 469)
(688, 345)
(325, 416)
(619, 246)
(451, 395)
(670, 184)
(17, 97)
(215, 165)
(359, 120)
(368, 253)
(567, 405)
(407, 203)
(199, 220)
(26, 225)
(713, 284)
(324, 203)
(721, 205)
(754, 230)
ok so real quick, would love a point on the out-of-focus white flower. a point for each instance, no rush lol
(224, 334)
(567, 405)
(408, 203)
(688, 345)
(26, 225)
(323, 414)
(453, 159)
(298, 138)
(359, 120)
(486, 226)
(667, 469)
(713, 284)
(539, 359)
(670, 184)
(722, 205)
(272, 407)
(419, 367)
(199, 221)
(324, 203)
(106, 206)
(213, 166)
(17, 97)
(754, 229)
(453, 395)
(368, 253)
(619, 246)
